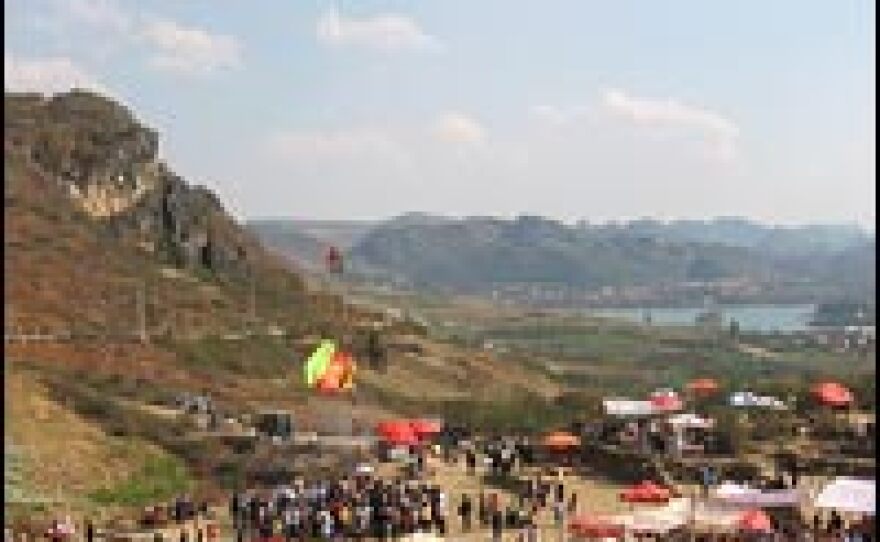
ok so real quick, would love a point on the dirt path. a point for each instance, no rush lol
(594, 496)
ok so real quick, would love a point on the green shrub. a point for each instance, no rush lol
(160, 479)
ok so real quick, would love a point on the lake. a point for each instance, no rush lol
(752, 318)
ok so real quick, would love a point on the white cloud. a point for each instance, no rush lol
(46, 75)
(459, 128)
(717, 131)
(100, 29)
(667, 111)
(557, 116)
(385, 32)
(358, 143)
(189, 50)
(102, 14)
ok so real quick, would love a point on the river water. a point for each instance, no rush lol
(752, 318)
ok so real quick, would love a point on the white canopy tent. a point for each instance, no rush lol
(657, 520)
(745, 399)
(423, 537)
(690, 420)
(741, 495)
(627, 408)
(849, 495)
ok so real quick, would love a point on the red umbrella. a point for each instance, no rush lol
(595, 527)
(833, 394)
(391, 425)
(426, 428)
(755, 520)
(703, 386)
(646, 492)
(397, 432)
(666, 403)
(561, 440)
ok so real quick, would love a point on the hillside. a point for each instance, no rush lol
(125, 285)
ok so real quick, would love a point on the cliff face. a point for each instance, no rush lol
(108, 163)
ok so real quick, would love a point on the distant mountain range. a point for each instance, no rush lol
(771, 240)
(619, 263)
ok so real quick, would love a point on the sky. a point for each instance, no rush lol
(572, 109)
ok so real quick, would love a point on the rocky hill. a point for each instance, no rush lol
(120, 275)
(108, 163)
(125, 285)
(93, 215)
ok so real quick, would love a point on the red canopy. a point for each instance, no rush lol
(833, 394)
(397, 432)
(666, 403)
(595, 527)
(703, 386)
(392, 425)
(646, 492)
(561, 440)
(755, 520)
(425, 428)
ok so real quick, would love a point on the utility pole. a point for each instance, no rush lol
(142, 313)
(253, 304)
(249, 317)
(8, 323)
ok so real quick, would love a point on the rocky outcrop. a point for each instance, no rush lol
(108, 163)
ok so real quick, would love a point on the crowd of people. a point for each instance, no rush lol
(361, 506)
(349, 508)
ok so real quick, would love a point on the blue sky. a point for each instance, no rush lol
(572, 109)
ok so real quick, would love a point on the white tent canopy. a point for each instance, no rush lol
(690, 420)
(658, 520)
(749, 399)
(627, 408)
(425, 537)
(742, 495)
(730, 489)
(849, 495)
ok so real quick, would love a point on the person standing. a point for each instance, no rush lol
(573, 504)
(708, 478)
(559, 517)
(531, 532)
(471, 459)
(497, 525)
(465, 510)
(441, 515)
